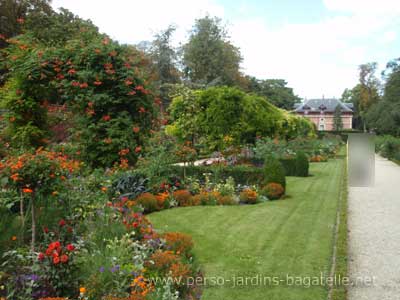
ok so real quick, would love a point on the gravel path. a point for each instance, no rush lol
(374, 237)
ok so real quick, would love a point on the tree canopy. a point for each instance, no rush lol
(209, 57)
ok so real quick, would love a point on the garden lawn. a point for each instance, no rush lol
(291, 236)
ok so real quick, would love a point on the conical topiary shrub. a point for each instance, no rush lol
(274, 172)
(302, 164)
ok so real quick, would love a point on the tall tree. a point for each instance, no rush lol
(209, 57)
(337, 119)
(369, 90)
(384, 116)
(353, 96)
(13, 14)
(275, 90)
(165, 56)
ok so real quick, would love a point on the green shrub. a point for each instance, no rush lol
(388, 146)
(302, 164)
(245, 175)
(274, 172)
(289, 164)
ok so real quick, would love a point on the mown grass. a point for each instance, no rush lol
(293, 236)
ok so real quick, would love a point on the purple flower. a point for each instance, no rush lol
(101, 270)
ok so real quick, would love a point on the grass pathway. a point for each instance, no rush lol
(293, 236)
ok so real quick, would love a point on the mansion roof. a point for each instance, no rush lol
(325, 105)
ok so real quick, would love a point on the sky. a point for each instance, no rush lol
(315, 45)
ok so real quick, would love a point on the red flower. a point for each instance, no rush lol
(97, 83)
(71, 71)
(136, 129)
(45, 230)
(70, 247)
(139, 88)
(135, 224)
(128, 82)
(83, 85)
(56, 260)
(142, 109)
(131, 93)
(138, 149)
(27, 191)
(106, 118)
(62, 222)
(75, 83)
(41, 256)
(49, 251)
(64, 258)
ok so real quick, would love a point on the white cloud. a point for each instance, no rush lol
(315, 57)
(132, 21)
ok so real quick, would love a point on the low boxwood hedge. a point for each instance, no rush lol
(241, 174)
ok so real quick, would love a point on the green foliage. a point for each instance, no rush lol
(388, 146)
(164, 56)
(240, 174)
(208, 56)
(274, 172)
(275, 90)
(302, 164)
(384, 116)
(289, 164)
(219, 117)
(337, 119)
(129, 185)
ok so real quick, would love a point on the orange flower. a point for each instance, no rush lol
(27, 190)
(15, 177)
(13, 238)
(136, 129)
(106, 118)
(82, 290)
(64, 258)
(56, 260)
(104, 189)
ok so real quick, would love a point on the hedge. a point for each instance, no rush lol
(274, 172)
(241, 174)
(289, 164)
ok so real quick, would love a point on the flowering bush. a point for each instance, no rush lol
(148, 201)
(183, 197)
(102, 82)
(56, 262)
(180, 243)
(37, 175)
(318, 158)
(273, 191)
(248, 196)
